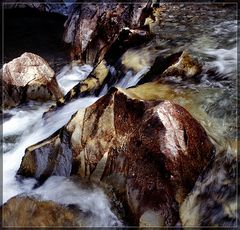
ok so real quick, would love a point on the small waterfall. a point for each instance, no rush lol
(28, 127)
(70, 75)
(130, 79)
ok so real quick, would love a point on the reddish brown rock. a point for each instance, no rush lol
(93, 27)
(23, 211)
(32, 77)
(150, 152)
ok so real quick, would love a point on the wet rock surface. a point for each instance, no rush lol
(23, 211)
(55, 158)
(148, 150)
(93, 27)
(101, 76)
(141, 148)
(28, 77)
(185, 67)
(213, 200)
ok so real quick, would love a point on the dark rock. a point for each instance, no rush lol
(151, 152)
(92, 28)
(53, 158)
(101, 74)
(161, 63)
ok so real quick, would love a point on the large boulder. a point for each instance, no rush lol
(91, 28)
(150, 152)
(32, 78)
(22, 211)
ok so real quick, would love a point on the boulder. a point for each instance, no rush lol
(54, 158)
(101, 75)
(213, 200)
(22, 211)
(31, 77)
(177, 64)
(150, 152)
(92, 28)
(10, 95)
(186, 66)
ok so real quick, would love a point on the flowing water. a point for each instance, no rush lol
(212, 100)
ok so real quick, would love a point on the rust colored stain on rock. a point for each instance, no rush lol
(151, 152)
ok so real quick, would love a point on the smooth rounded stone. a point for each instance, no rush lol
(213, 200)
(150, 152)
(23, 211)
(31, 78)
(27, 69)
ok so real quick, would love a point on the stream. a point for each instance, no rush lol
(212, 100)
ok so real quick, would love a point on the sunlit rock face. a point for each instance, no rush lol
(185, 66)
(213, 200)
(150, 152)
(32, 77)
(23, 211)
(91, 28)
(178, 64)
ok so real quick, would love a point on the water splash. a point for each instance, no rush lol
(30, 133)
(71, 75)
(88, 198)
